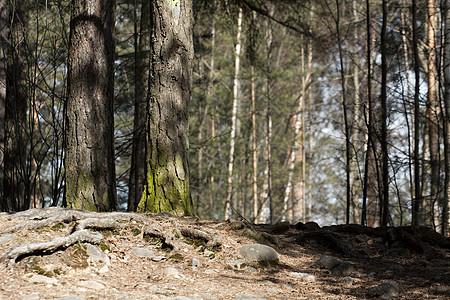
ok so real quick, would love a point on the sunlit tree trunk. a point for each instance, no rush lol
(433, 110)
(166, 185)
(90, 175)
(234, 117)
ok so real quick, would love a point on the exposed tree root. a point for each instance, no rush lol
(212, 241)
(329, 240)
(167, 237)
(81, 236)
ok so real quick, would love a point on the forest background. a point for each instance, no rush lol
(327, 111)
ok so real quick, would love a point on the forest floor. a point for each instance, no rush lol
(48, 254)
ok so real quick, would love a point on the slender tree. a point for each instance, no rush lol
(166, 184)
(4, 32)
(90, 174)
(142, 64)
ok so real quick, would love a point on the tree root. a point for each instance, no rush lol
(81, 236)
(167, 238)
(212, 241)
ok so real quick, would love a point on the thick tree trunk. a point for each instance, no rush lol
(166, 187)
(142, 65)
(90, 175)
(15, 117)
(234, 117)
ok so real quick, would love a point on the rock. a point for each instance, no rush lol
(96, 256)
(251, 269)
(70, 298)
(248, 297)
(208, 296)
(273, 291)
(142, 252)
(325, 262)
(237, 264)
(304, 276)
(91, 284)
(348, 281)
(288, 287)
(7, 238)
(385, 290)
(259, 253)
(195, 262)
(186, 298)
(396, 269)
(32, 296)
(36, 278)
(172, 272)
(211, 271)
(344, 268)
(209, 254)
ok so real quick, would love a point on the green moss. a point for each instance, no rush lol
(177, 257)
(164, 191)
(136, 231)
(104, 245)
(196, 243)
(58, 227)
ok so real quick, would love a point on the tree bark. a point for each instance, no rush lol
(90, 175)
(166, 187)
(142, 65)
(234, 117)
(416, 203)
(384, 204)
(15, 116)
(445, 200)
(4, 32)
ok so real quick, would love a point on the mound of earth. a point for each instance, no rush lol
(56, 253)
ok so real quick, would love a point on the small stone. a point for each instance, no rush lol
(70, 298)
(42, 279)
(248, 297)
(344, 268)
(158, 258)
(237, 264)
(208, 296)
(252, 269)
(32, 296)
(259, 253)
(273, 291)
(348, 281)
(211, 271)
(209, 254)
(91, 284)
(186, 298)
(142, 252)
(326, 262)
(172, 272)
(96, 256)
(396, 269)
(195, 262)
(385, 290)
(288, 287)
(304, 276)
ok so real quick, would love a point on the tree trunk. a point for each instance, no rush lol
(4, 32)
(90, 175)
(166, 187)
(384, 203)
(445, 200)
(416, 203)
(433, 109)
(15, 116)
(254, 152)
(142, 65)
(234, 117)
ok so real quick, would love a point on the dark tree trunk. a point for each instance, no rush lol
(142, 65)
(384, 204)
(15, 117)
(445, 201)
(416, 203)
(166, 187)
(4, 32)
(90, 175)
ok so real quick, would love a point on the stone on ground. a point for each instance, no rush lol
(326, 262)
(259, 253)
(385, 290)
